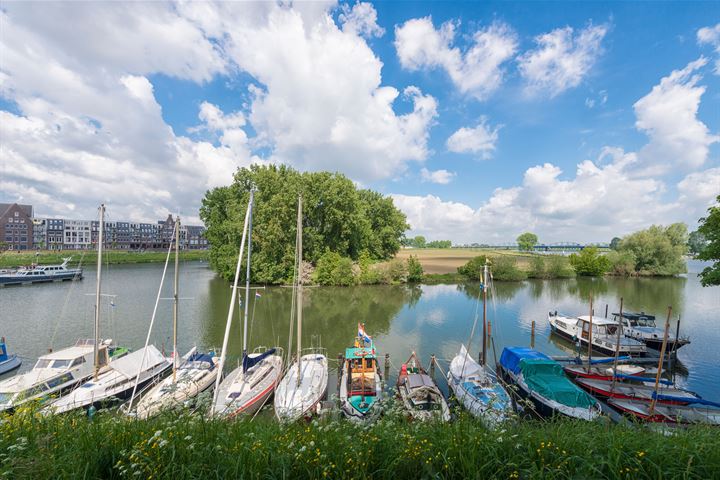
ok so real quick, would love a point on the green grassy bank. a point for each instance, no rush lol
(114, 257)
(183, 446)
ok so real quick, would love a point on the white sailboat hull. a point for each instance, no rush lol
(246, 392)
(294, 399)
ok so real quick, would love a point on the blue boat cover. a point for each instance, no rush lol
(249, 362)
(202, 357)
(692, 401)
(511, 356)
(3, 352)
(596, 361)
(643, 379)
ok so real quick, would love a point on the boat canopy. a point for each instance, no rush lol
(635, 316)
(3, 352)
(511, 357)
(249, 362)
(362, 352)
(129, 365)
(547, 378)
(203, 358)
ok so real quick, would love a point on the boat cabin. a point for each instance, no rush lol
(600, 326)
(362, 368)
(630, 319)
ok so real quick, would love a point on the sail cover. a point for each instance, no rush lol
(511, 357)
(249, 362)
(547, 378)
(130, 363)
(463, 365)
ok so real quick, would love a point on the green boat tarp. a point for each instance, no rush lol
(548, 379)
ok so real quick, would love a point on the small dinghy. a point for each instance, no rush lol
(117, 382)
(195, 374)
(542, 381)
(665, 394)
(420, 395)
(603, 373)
(361, 384)
(477, 388)
(8, 363)
(664, 413)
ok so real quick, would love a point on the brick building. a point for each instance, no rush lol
(16, 227)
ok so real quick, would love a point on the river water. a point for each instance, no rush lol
(430, 319)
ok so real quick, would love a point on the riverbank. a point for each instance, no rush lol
(190, 446)
(89, 257)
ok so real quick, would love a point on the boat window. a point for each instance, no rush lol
(6, 397)
(42, 363)
(582, 324)
(368, 363)
(67, 377)
(612, 329)
(61, 363)
(78, 361)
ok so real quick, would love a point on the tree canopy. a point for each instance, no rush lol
(710, 230)
(439, 244)
(337, 217)
(696, 242)
(657, 250)
(527, 241)
(615, 243)
(589, 262)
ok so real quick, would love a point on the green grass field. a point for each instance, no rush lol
(14, 259)
(184, 446)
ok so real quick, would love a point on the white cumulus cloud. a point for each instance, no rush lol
(562, 59)
(477, 70)
(479, 139)
(442, 176)
(361, 19)
(711, 36)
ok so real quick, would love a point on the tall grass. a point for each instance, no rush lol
(89, 257)
(183, 446)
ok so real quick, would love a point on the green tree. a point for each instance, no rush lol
(559, 266)
(589, 262)
(658, 250)
(414, 269)
(710, 229)
(615, 243)
(527, 241)
(505, 268)
(621, 263)
(473, 269)
(439, 244)
(337, 217)
(418, 242)
(537, 267)
(334, 269)
(696, 242)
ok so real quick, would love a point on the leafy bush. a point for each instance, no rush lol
(621, 263)
(658, 250)
(414, 269)
(473, 269)
(334, 269)
(559, 267)
(397, 271)
(537, 267)
(590, 262)
(505, 269)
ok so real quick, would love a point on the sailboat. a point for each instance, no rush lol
(361, 384)
(191, 375)
(305, 383)
(474, 384)
(8, 362)
(247, 388)
(119, 379)
(57, 372)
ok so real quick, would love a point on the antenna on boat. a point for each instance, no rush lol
(299, 286)
(96, 346)
(175, 297)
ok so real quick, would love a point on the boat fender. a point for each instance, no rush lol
(403, 369)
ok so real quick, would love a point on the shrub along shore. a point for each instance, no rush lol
(89, 257)
(183, 446)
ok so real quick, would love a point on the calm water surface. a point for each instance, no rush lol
(430, 319)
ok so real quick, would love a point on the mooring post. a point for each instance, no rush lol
(341, 361)
(387, 365)
(532, 335)
(606, 310)
(432, 366)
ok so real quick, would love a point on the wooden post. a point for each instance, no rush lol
(660, 364)
(617, 345)
(606, 310)
(432, 366)
(387, 365)
(532, 334)
(341, 363)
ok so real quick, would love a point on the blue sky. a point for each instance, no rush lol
(577, 120)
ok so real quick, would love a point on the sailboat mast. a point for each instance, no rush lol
(485, 285)
(175, 297)
(299, 286)
(590, 332)
(247, 275)
(231, 310)
(617, 345)
(660, 363)
(97, 292)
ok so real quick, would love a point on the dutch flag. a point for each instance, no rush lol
(257, 295)
(362, 334)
